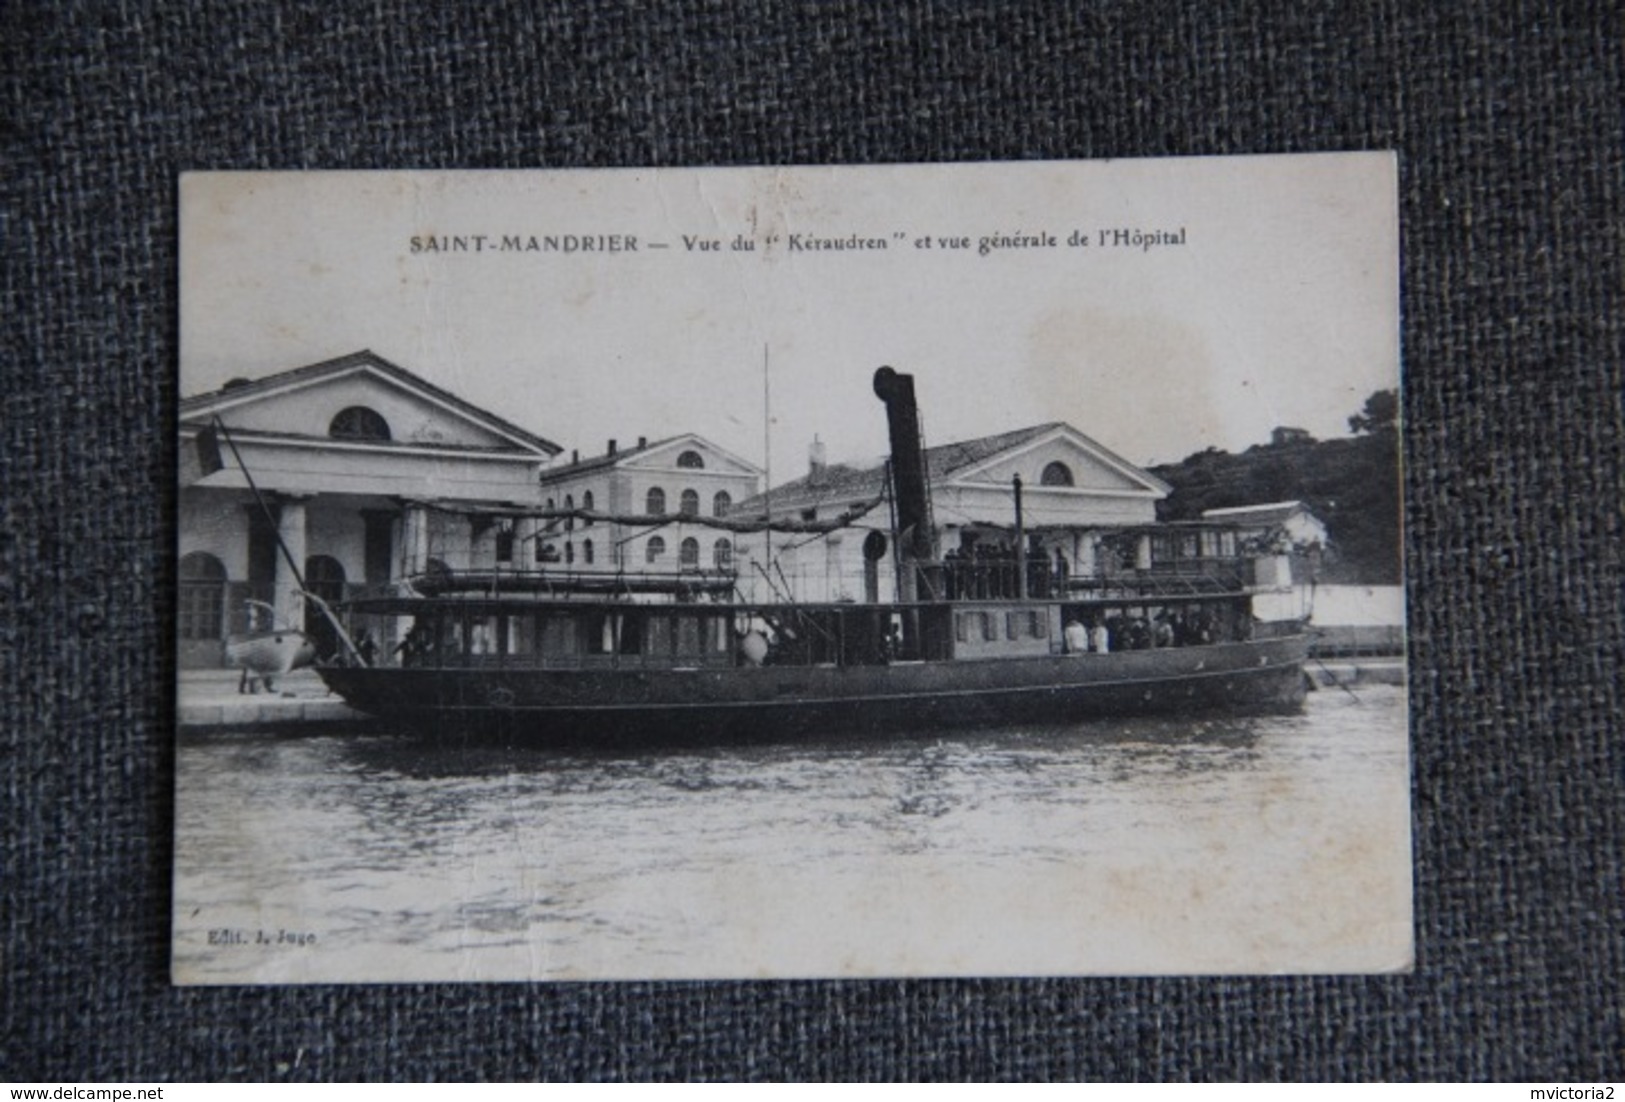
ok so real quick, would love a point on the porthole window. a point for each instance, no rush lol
(358, 423)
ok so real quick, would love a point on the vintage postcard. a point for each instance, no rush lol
(917, 570)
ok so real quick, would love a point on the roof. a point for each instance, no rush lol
(368, 360)
(561, 472)
(599, 462)
(842, 484)
(1272, 512)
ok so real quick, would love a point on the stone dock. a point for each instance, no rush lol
(208, 700)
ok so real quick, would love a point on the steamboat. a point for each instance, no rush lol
(555, 658)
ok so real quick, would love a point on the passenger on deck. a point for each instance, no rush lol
(891, 647)
(1077, 637)
(753, 648)
(1101, 638)
(1162, 632)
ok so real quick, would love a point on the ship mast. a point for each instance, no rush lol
(767, 459)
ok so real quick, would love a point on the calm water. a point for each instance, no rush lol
(1276, 844)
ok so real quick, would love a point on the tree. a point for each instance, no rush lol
(1381, 412)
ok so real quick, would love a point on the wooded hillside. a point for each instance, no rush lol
(1352, 484)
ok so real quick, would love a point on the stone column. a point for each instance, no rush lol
(415, 539)
(1083, 556)
(290, 606)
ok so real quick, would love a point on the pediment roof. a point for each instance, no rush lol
(950, 464)
(239, 395)
(648, 453)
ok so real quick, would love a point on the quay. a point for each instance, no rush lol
(208, 701)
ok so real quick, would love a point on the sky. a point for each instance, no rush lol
(1268, 296)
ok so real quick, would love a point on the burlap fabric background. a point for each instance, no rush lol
(1508, 122)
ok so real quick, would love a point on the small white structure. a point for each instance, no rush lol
(1302, 528)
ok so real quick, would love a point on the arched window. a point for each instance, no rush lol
(722, 553)
(569, 553)
(690, 506)
(324, 576)
(569, 503)
(689, 556)
(202, 596)
(721, 504)
(691, 461)
(1056, 474)
(654, 549)
(586, 551)
(655, 503)
(358, 423)
(586, 503)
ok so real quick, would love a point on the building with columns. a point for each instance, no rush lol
(1087, 512)
(369, 473)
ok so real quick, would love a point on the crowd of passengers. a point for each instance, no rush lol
(1132, 631)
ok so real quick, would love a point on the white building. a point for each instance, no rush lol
(664, 480)
(1084, 510)
(369, 473)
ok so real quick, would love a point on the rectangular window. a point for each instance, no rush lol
(688, 636)
(631, 629)
(521, 639)
(201, 605)
(559, 636)
(962, 627)
(659, 635)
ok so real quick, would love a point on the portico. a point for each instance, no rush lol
(366, 473)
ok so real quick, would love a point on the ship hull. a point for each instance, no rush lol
(614, 706)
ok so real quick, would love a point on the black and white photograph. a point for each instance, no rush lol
(708, 573)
